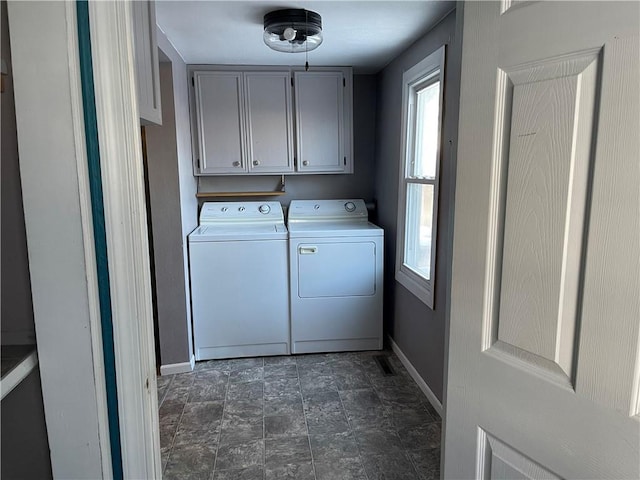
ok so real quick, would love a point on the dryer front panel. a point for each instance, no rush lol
(336, 269)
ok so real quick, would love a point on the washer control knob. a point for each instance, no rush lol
(241, 209)
(264, 208)
(350, 207)
(224, 209)
(316, 207)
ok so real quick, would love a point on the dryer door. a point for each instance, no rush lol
(336, 269)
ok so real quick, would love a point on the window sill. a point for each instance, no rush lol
(423, 290)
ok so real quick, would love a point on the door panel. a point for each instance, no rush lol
(341, 269)
(545, 313)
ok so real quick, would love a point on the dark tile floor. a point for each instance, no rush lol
(316, 417)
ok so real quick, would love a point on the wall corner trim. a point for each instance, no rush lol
(433, 400)
(173, 368)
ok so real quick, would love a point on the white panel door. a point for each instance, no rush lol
(269, 131)
(319, 106)
(220, 121)
(544, 366)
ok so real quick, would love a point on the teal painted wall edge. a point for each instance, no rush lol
(99, 231)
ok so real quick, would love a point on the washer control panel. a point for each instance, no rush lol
(238, 212)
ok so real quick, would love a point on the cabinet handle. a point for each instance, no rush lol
(305, 162)
(256, 162)
(236, 163)
(307, 250)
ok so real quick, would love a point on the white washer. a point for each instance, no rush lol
(239, 281)
(336, 275)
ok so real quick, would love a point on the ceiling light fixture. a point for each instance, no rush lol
(292, 30)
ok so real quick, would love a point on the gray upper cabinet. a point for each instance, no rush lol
(320, 123)
(146, 59)
(269, 129)
(244, 120)
(220, 118)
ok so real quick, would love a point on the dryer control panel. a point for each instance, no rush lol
(319, 210)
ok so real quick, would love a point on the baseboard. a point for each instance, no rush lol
(433, 400)
(174, 368)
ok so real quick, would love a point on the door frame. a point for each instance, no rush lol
(57, 205)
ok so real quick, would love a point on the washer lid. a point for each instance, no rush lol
(238, 232)
(334, 229)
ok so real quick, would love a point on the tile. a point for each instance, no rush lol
(314, 369)
(289, 404)
(375, 442)
(167, 434)
(200, 423)
(281, 360)
(252, 473)
(249, 407)
(365, 411)
(190, 462)
(251, 374)
(239, 429)
(170, 409)
(240, 455)
(400, 395)
(327, 422)
(281, 386)
(319, 383)
(245, 391)
(312, 358)
(297, 471)
(351, 378)
(426, 463)
(389, 467)
(324, 413)
(286, 450)
(411, 416)
(340, 469)
(330, 447)
(163, 381)
(280, 370)
(202, 391)
(178, 394)
(416, 437)
(284, 425)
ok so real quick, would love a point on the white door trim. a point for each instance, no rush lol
(84, 192)
(126, 230)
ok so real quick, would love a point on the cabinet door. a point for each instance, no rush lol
(146, 58)
(319, 110)
(220, 121)
(268, 110)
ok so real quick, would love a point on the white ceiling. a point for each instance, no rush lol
(364, 34)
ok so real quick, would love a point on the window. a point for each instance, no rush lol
(419, 170)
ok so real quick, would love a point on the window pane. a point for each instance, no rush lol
(426, 131)
(417, 248)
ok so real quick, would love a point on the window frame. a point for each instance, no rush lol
(425, 73)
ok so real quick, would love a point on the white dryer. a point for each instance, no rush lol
(239, 280)
(336, 275)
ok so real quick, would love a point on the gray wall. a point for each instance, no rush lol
(25, 448)
(416, 329)
(164, 195)
(174, 206)
(17, 309)
(360, 184)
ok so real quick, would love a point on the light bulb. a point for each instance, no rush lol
(289, 33)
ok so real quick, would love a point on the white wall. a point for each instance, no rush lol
(51, 153)
(17, 309)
